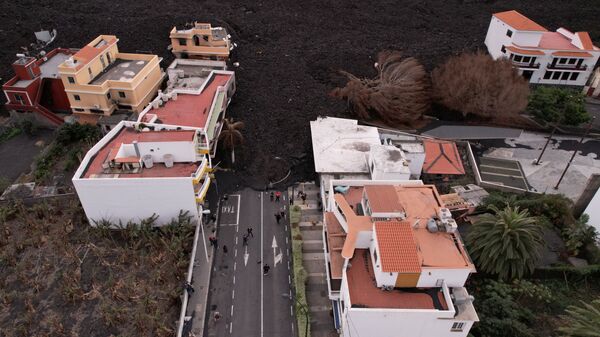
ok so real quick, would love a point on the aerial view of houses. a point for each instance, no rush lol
(269, 169)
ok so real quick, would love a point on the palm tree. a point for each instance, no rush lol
(582, 321)
(231, 135)
(399, 94)
(506, 243)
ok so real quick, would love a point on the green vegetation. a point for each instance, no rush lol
(582, 321)
(9, 133)
(558, 105)
(507, 243)
(72, 140)
(128, 282)
(299, 276)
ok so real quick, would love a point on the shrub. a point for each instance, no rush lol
(474, 83)
(398, 94)
(558, 105)
(583, 320)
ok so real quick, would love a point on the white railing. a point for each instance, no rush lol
(184, 302)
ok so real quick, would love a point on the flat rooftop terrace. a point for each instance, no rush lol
(159, 170)
(364, 292)
(120, 70)
(190, 110)
(48, 69)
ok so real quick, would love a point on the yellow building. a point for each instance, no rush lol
(99, 79)
(201, 42)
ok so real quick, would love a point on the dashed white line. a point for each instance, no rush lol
(234, 267)
(286, 241)
(235, 253)
(289, 279)
(230, 328)
(232, 311)
(233, 294)
(233, 279)
(236, 238)
(291, 311)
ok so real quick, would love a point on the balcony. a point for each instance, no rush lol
(576, 67)
(201, 192)
(201, 171)
(527, 65)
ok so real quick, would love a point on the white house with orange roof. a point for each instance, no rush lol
(541, 56)
(136, 171)
(197, 95)
(396, 264)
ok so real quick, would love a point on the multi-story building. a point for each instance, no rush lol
(560, 57)
(36, 91)
(201, 41)
(140, 170)
(396, 264)
(99, 79)
(197, 95)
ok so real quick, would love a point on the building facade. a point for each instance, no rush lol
(561, 57)
(36, 91)
(202, 41)
(396, 264)
(138, 171)
(99, 79)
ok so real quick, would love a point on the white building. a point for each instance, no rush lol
(136, 171)
(198, 93)
(560, 57)
(396, 265)
(343, 149)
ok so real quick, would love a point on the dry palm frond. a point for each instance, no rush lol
(399, 93)
(231, 134)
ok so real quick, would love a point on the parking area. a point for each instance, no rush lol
(503, 171)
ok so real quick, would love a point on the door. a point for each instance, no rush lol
(407, 280)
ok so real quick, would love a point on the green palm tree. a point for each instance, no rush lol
(582, 321)
(506, 243)
(231, 135)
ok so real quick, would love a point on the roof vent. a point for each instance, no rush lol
(432, 225)
(168, 158)
(148, 162)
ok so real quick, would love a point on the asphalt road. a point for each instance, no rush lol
(250, 303)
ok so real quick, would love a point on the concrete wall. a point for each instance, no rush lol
(133, 199)
(454, 277)
(181, 151)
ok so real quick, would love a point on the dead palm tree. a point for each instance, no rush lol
(231, 135)
(399, 93)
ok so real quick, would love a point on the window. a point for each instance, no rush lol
(572, 61)
(71, 80)
(90, 72)
(182, 42)
(375, 256)
(19, 98)
(547, 75)
(574, 76)
(121, 94)
(556, 75)
(97, 111)
(102, 61)
(509, 33)
(457, 326)
(503, 49)
(526, 59)
(565, 76)
(79, 109)
(562, 60)
(108, 95)
(518, 58)
(77, 98)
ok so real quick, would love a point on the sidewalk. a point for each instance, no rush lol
(201, 282)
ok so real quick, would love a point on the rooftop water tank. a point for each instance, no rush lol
(168, 158)
(148, 162)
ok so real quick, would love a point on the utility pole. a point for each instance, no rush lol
(587, 130)
(538, 161)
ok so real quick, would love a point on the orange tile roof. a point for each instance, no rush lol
(572, 53)
(397, 247)
(586, 41)
(524, 51)
(519, 21)
(383, 199)
(442, 157)
(87, 53)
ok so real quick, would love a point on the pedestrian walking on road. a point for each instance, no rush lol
(245, 239)
(303, 198)
(282, 213)
(271, 196)
(217, 316)
(266, 269)
(277, 196)
(250, 232)
(188, 287)
(225, 250)
(277, 217)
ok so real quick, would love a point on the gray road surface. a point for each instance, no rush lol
(250, 303)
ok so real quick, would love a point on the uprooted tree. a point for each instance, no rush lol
(399, 93)
(474, 83)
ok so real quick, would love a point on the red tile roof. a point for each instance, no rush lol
(572, 53)
(442, 157)
(397, 247)
(519, 21)
(190, 110)
(524, 51)
(383, 199)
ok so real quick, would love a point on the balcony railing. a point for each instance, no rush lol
(527, 65)
(200, 171)
(203, 190)
(557, 66)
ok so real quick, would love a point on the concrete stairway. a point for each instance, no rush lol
(311, 227)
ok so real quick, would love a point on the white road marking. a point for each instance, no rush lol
(235, 253)
(230, 328)
(233, 279)
(262, 328)
(238, 212)
(236, 239)
(233, 294)
(276, 257)
(234, 267)
(246, 256)
(286, 241)
(289, 279)
(232, 311)
(291, 311)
